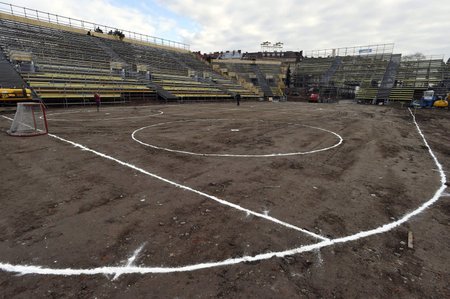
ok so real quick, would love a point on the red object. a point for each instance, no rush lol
(97, 98)
(314, 97)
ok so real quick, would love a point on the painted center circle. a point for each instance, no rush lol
(236, 138)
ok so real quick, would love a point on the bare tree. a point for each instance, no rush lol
(415, 56)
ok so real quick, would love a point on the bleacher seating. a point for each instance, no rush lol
(366, 71)
(67, 66)
(62, 85)
(234, 88)
(265, 77)
(273, 74)
(71, 66)
(63, 64)
(416, 76)
(309, 71)
(177, 72)
(186, 87)
(421, 73)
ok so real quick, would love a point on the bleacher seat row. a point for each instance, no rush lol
(378, 76)
(72, 66)
(63, 64)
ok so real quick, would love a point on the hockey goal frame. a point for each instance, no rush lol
(33, 126)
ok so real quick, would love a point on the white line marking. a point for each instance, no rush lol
(95, 113)
(8, 118)
(131, 260)
(133, 135)
(437, 170)
(224, 202)
(248, 212)
(24, 269)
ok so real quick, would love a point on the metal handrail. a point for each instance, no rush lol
(427, 58)
(85, 25)
(374, 49)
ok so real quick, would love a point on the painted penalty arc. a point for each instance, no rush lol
(27, 269)
(338, 143)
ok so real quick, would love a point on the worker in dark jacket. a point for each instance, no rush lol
(238, 99)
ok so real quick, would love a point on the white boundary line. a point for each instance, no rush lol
(133, 135)
(131, 260)
(96, 119)
(221, 201)
(24, 269)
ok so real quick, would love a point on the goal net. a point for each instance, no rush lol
(30, 120)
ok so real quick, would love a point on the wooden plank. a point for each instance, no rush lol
(410, 240)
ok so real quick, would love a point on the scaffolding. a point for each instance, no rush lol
(424, 72)
(414, 76)
(374, 49)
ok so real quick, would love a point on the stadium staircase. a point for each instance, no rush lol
(179, 59)
(388, 81)
(176, 74)
(114, 56)
(187, 88)
(215, 83)
(227, 85)
(326, 77)
(9, 77)
(234, 88)
(265, 88)
(273, 75)
(260, 79)
(161, 93)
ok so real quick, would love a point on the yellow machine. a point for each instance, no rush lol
(15, 94)
(442, 103)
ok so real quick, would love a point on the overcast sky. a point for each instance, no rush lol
(209, 25)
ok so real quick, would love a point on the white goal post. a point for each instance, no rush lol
(29, 120)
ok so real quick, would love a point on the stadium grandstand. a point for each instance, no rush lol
(371, 73)
(266, 76)
(63, 60)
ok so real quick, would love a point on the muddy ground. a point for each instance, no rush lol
(62, 207)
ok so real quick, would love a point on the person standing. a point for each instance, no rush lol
(97, 101)
(238, 99)
(24, 92)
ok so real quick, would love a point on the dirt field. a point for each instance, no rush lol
(152, 202)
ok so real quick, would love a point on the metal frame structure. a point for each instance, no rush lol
(33, 129)
(269, 47)
(424, 72)
(374, 49)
